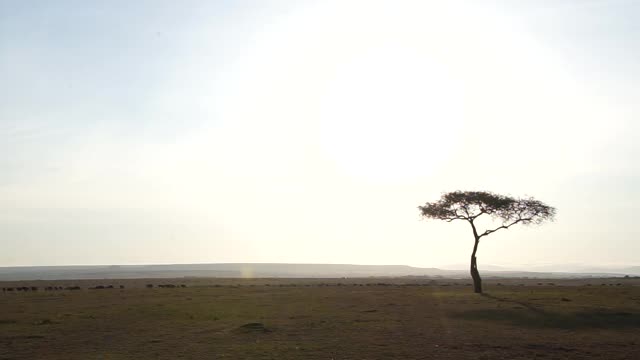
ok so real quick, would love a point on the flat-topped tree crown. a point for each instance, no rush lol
(469, 205)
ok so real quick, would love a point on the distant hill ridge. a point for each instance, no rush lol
(233, 270)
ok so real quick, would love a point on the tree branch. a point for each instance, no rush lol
(450, 219)
(487, 232)
(482, 211)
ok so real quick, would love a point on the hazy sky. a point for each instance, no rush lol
(309, 131)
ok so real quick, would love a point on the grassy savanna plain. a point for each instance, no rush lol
(372, 318)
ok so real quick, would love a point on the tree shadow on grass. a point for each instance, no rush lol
(528, 315)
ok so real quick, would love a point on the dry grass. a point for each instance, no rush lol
(319, 319)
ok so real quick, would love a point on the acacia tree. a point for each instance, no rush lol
(470, 205)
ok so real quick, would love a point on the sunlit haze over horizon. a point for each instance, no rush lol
(147, 132)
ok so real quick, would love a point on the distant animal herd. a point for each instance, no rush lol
(72, 288)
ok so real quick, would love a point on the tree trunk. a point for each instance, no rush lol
(475, 275)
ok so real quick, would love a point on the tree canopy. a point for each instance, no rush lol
(469, 205)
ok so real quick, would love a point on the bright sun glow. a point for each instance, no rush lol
(381, 98)
(391, 113)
